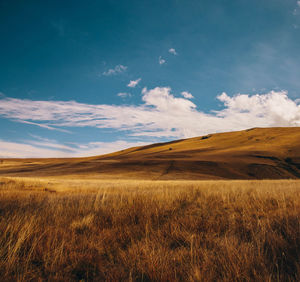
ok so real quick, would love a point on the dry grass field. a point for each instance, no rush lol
(92, 230)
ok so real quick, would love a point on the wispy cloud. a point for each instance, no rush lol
(161, 61)
(173, 51)
(116, 70)
(44, 126)
(51, 149)
(187, 95)
(134, 83)
(124, 94)
(296, 10)
(161, 114)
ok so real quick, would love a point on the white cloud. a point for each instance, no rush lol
(51, 149)
(164, 101)
(298, 3)
(124, 95)
(161, 61)
(116, 70)
(134, 83)
(172, 51)
(161, 114)
(187, 95)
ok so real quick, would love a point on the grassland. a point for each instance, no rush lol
(91, 230)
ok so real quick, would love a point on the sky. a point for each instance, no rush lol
(83, 78)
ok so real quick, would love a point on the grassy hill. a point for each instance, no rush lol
(258, 153)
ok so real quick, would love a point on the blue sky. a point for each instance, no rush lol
(88, 77)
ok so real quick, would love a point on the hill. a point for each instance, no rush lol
(258, 153)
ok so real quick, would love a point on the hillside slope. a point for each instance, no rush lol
(258, 153)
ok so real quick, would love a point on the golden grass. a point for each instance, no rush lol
(65, 230)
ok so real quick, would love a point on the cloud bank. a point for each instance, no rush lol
(160, 114)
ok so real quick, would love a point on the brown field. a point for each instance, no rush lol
(93, 230)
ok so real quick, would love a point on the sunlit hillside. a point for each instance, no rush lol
(258, 153)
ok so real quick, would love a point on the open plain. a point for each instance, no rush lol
(221, 207)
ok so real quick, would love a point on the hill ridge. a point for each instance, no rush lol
(256, 153)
